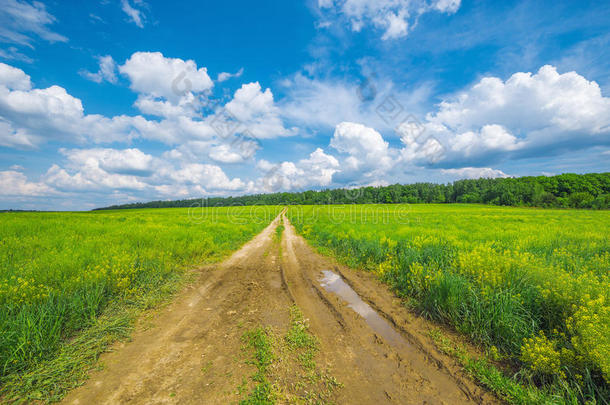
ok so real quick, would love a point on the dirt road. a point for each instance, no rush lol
(194, 351)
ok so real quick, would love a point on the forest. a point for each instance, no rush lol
(591, 190)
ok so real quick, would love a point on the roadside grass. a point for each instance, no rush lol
(532, 284)
(72, 283)
(484, 371)
(51, 379)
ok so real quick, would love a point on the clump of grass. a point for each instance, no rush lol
(299, 339)
(292, 355)
(262, 393)
(278, 232)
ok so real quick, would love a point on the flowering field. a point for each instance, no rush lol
(60, 271)
(531, 286)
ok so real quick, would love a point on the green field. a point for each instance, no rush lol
(70, 283)
(531, 286)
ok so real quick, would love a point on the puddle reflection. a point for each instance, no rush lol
(332, 282)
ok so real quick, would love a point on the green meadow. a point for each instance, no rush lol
(72, 282)
(529, 286)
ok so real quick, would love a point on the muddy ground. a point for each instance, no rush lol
(193, 350)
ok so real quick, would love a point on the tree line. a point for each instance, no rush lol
(591, 190)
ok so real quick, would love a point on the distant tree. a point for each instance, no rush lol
(590, 190)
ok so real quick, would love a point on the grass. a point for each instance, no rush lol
(278, 232)
(71, 283)
(532, 284)
(300, 340)
(263, 392)
(491, 377)
(285, 367)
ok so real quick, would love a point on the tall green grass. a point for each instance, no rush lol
(532, 284)
(60, 271)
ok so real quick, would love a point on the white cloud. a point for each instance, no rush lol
(167, 87)
(397, 25)
(12, 53)
(367, 150)
(394, 17)
(542, 113)
(13, 78)
(447, 6)
(365, 159)
(474, 173)
(127, 161)
(14, 183)
(19, 20)
(90, 178)
(315, 103)
(106, 72)
(133, 171)
(223, 76)
(153, 74)
(208, 176)
(30, 117)
(235, 149)
(314, 171)
(225, 153)
(319, 168)
(135, 15)
(257, 113)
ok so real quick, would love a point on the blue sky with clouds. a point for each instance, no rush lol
(118, 101)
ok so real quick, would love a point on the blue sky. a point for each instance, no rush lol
(118, 101)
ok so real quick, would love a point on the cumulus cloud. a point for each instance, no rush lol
(368, 153)
(131, 170)
(106, 72)
(152, 74)
(31, 116)
(541, 113)
(167, 87)
(127, 161)
(226, 153)
(364, 158)
(256, 111)
(15, 183)
(13, 78)
(20, 21)
(314, 171)
(394, 17)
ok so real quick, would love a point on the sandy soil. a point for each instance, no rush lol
(191, 351)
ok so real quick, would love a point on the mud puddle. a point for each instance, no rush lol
(332, 282)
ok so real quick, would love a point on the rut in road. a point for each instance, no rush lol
(194, 350)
